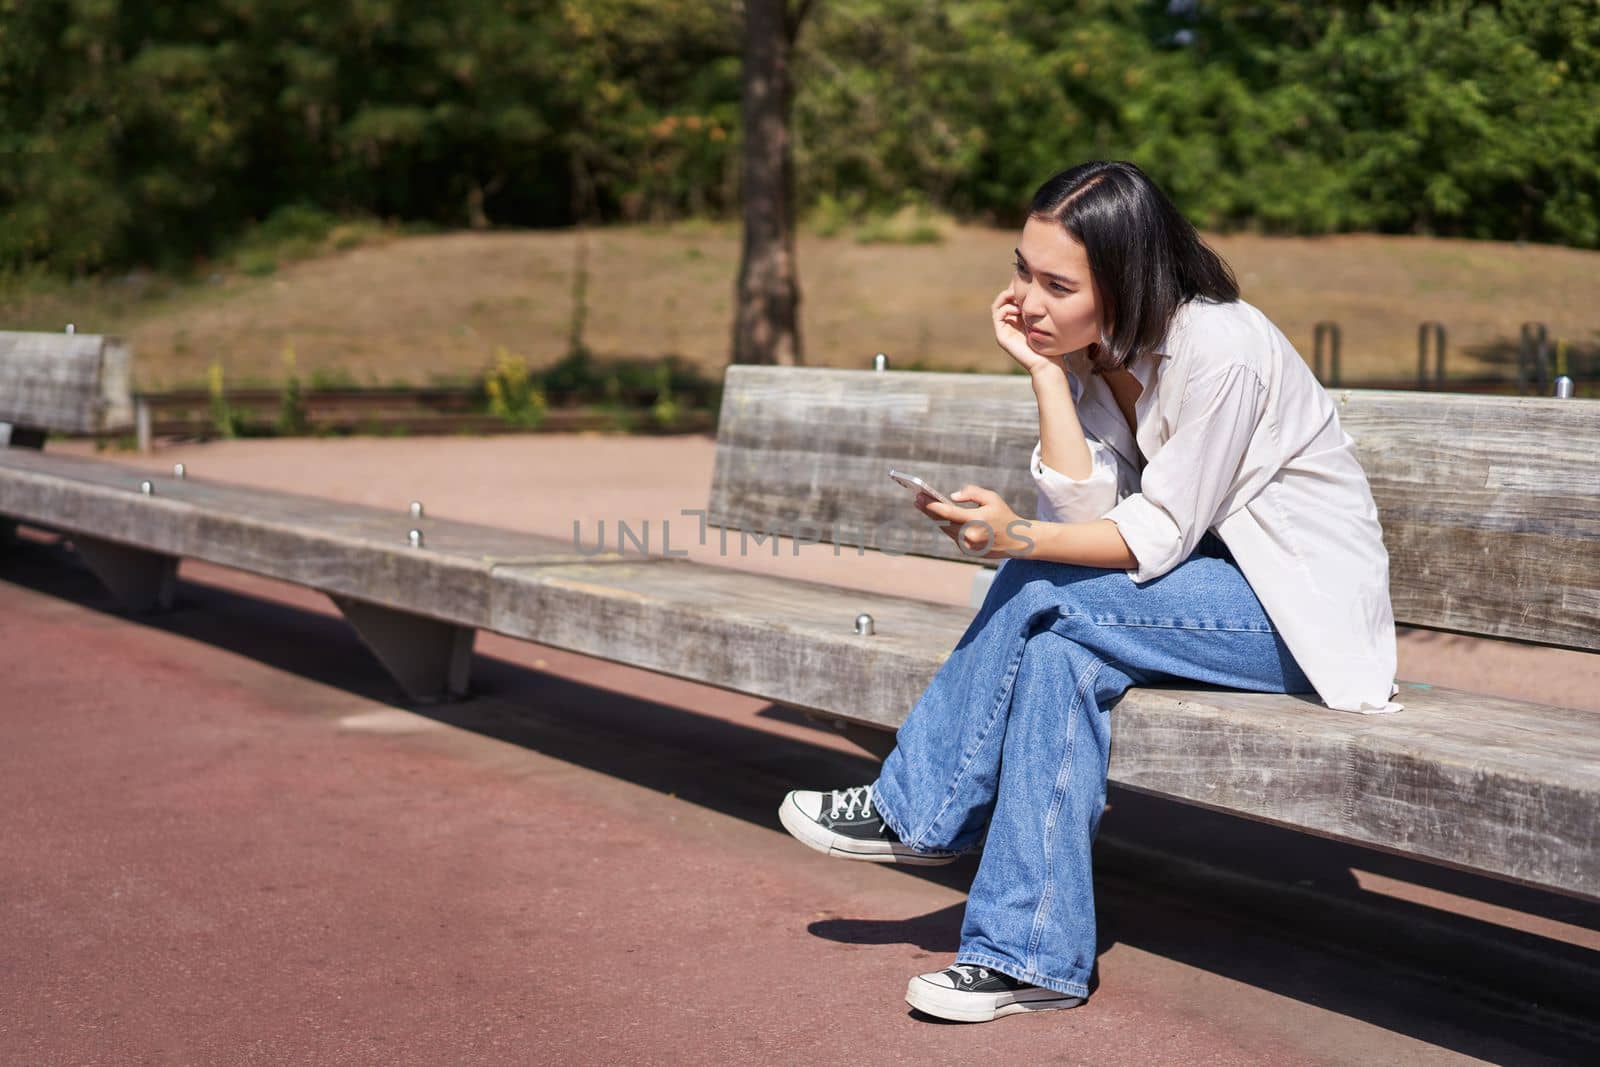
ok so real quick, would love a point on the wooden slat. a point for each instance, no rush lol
(790, 641)
(1490, 505)
(329, 545)
(1491, 510)
(1503, 787)
(68, 383)
(800, 446)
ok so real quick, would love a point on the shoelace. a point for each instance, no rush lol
(847, 800)
(970, 972)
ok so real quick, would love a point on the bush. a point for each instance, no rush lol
(512, 393)
(226, 420)
(132, 135)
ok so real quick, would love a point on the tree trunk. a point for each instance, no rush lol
(766, 326)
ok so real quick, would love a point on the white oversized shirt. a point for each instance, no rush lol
(1237, 436)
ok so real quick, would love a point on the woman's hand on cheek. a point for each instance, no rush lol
(1010, 333)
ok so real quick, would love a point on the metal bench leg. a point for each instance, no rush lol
(140, 579)
(431, 660)
(12, 436)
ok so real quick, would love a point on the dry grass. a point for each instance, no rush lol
(427, 308)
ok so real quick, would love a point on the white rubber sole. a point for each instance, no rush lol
(956, 1006)
(813, 835)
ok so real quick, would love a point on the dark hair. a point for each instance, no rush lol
(1146, 258)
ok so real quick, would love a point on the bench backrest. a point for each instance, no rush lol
(1490, 505)
(66, 383)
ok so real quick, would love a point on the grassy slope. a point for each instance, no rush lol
(424, 308)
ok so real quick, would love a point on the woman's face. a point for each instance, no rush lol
(1054, 290)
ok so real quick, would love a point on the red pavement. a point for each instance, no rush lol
(225, 842)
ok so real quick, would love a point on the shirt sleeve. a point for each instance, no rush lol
(1066, 499)
(1184, 486)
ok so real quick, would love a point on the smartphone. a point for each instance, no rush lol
(915, 484)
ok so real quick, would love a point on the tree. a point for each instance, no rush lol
(766, 327)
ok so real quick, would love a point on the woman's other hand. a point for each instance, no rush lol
(1011, 333)
(989, 531)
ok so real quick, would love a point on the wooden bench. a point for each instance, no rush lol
(1490, 508)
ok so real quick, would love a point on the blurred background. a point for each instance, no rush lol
(526, 213)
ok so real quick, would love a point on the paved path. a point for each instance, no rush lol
(225, 842)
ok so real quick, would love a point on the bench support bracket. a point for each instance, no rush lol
(142, 580)
(13, 436)
(431, 660)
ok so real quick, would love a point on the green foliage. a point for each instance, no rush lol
(137, 132)
(331, 378)
(290, 232)
(292, 407)
(580, 377)
(665, 410)
(226, 420)
(1448, 117)
(911, 225)
(513, 394)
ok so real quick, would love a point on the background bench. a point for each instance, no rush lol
(1492, 519)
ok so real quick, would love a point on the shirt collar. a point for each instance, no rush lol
(1143, 368)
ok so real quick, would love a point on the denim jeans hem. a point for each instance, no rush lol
(1022, 974)
(886, 811)
(894, 823)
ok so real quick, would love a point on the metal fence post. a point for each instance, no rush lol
(1533, 358)
(1433, 331)
(1326, 336)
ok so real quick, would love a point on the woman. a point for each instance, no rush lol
(1202, 516)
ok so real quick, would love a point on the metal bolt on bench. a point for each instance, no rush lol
(414, 538)
(880, 362)
(1564, 387)
(865, 626)
(179, 471)
(416, 509)
(147, 488)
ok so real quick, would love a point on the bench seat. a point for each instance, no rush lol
(1502, 787)
(417, 609)
(339, 548)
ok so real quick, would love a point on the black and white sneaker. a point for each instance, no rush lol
(843, 822)
(966, 993)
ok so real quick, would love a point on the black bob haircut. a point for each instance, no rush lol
(1146, 258)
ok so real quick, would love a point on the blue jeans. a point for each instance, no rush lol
(1009, 744)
